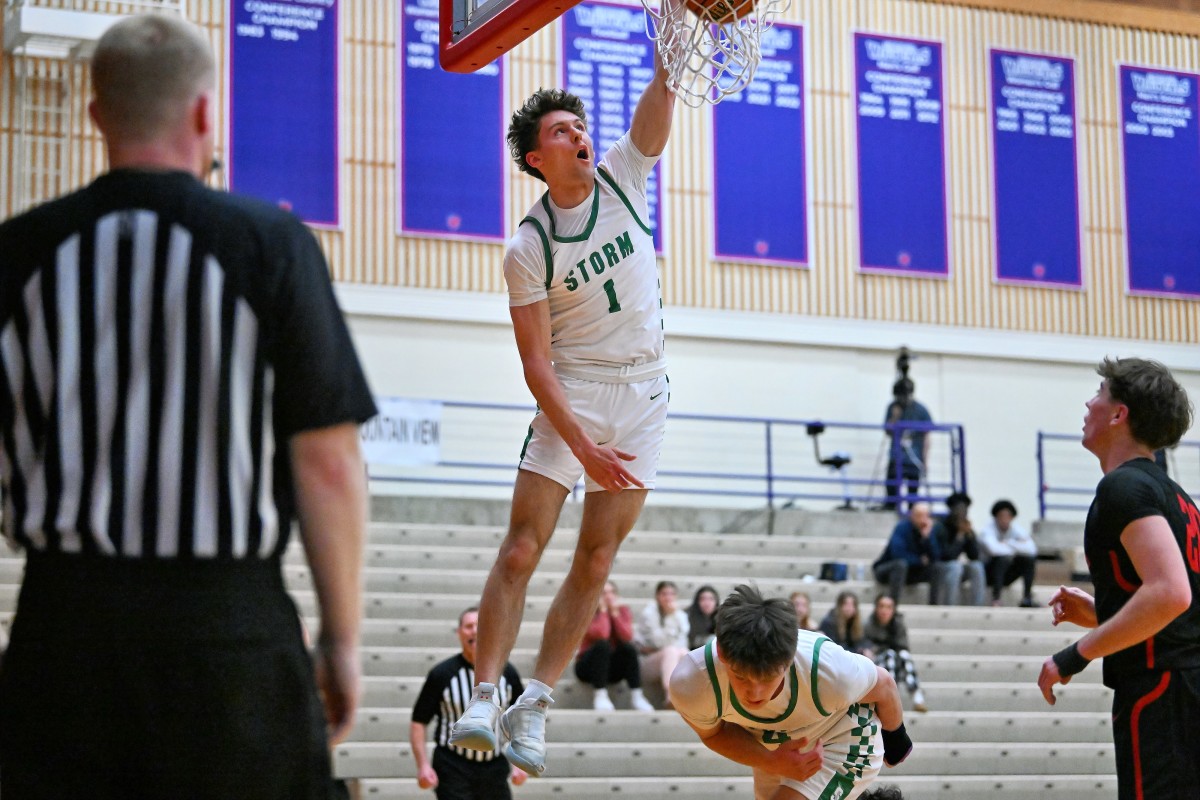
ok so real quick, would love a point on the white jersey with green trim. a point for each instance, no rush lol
(596, 265)
(821, 685)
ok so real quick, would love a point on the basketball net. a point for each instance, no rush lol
(707, 61)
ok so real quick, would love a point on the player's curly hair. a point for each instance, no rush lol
(882, 793)
(1159, 410)
(756, 634)
(527, 121)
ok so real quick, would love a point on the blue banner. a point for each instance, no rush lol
(901, 156)
(608, 61)
(1035, 169)
(451, 128)
(1161, 141)
(760, 181)
(283, 105)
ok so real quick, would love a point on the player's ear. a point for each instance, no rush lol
(1121, 414)
(534, 159)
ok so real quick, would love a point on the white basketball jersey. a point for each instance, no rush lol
(822, 685)
(596, 265)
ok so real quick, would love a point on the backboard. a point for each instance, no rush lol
(475, 33)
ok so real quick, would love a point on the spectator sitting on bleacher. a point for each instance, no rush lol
(802, 603)
(702, 617)
(955, 541)
(662, 636)
(1010, 551)
(607, 654)
(456, 773)
(843, 624)
(910, 552)
(889, 636)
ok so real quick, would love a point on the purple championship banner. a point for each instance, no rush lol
(901, 156)
(1035, 169)
(608, 60)
(283, 105)
(1161, 144)
(760, 180)
(450, 126)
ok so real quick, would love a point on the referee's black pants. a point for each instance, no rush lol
(127, 680)
(463, 779)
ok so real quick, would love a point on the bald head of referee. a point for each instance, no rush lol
(154, 80)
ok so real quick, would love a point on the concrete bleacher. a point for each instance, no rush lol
(989, 733)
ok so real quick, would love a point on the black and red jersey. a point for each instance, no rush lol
(1133, 491)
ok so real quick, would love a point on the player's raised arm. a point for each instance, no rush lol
(651, 126)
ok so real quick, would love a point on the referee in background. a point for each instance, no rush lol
(177, 385)
(457, 773)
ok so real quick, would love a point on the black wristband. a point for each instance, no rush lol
(896, 746)
(1069, 661)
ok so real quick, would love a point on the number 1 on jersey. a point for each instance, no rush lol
(614, 305)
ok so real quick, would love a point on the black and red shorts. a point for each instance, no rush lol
(1154, 729)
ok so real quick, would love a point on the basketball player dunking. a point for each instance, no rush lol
(587, 313)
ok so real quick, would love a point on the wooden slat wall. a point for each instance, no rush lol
(367, 250)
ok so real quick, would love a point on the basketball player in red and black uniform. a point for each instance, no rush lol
(1142, 543)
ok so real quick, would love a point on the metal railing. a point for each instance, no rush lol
(1068, 474)
(741, 461)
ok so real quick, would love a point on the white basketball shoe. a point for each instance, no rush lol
(476, 728)
(523, 727)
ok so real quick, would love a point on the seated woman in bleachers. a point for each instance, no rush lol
(607, 654)
(843, 624)
(889, 638)
(661, 636)
(803, 604)
(702, 617)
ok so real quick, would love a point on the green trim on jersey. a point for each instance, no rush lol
(587, 230)
(712, 674)
(812, 675)
(609, 180)
(793, 687)
(537, 226)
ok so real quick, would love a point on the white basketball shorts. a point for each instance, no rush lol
(853, 751)
(630, 417)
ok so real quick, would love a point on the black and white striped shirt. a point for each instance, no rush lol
(159, 342)
(445, 695)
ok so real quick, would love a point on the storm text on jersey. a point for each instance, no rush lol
(609, 255)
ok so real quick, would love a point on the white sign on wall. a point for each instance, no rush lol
(404, 433)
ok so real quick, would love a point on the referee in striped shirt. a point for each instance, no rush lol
(457, 773)
(177, 385)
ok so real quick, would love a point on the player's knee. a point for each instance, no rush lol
(519, 555)
(594, 563)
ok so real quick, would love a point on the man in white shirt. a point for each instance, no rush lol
(587, 313)
(812, 720)
(1010, 551)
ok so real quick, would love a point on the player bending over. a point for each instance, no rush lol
(812, 719)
